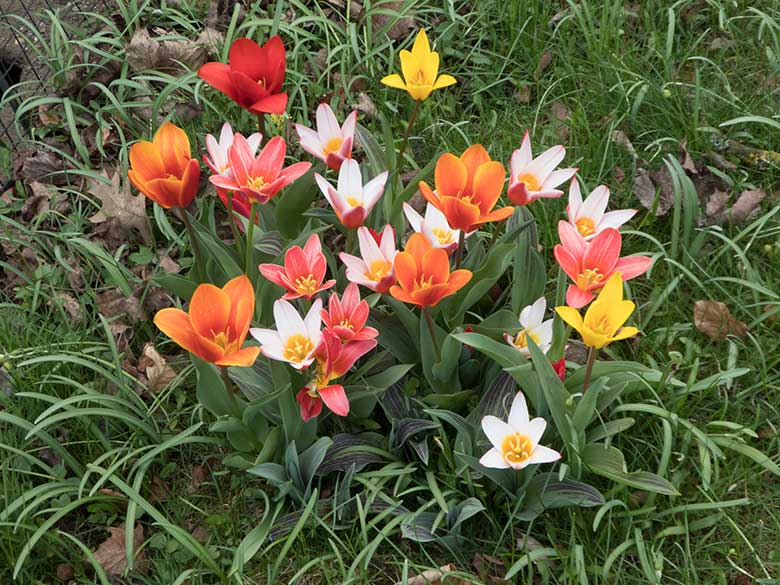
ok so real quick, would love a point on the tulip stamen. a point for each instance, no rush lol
(297, 348)
(516, 448)
(521, 339)
(530, 180)
(256, 183)
(332, 146)
(378, 270)
(589, 277)
(585, 226)
(443, 236)
(306, 285)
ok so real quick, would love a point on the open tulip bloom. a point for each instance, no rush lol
(434, 226)
(334, 359)
(218, 150)
(303, 272)
(163, 169)
(534, 326)
(590, 264)
(467, 189)
(258, 177)
(296, 340)
(423, 273)
(352, 201)
(589, 217)
(375, 269)
(535, 178)
(330, 143)
(516, 441)
(216, 325)
(603, 321)
(346, 317)
(253, 77)
(420, 69)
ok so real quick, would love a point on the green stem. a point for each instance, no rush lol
(232, 219)
(461, 245)
(261, 126)
(193, 241)
(407, 133)
(250, 229)
(494, 237)
(589, 368)
(432, 330)
(229, 388)
(350, 241)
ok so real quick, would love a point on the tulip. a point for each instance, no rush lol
(296, 340)
(346, 317)
(589, 217)
(423, 274)
(420, 68)
(434, 226)
(218, 158)
(604, 319)
(534, 178)
(590, 264)
(303, 271)
(560, 368)
(375, 269)
(516, 442)
(216, 325)
(260, 177)
(352, 201)
(467, 189)
(254, 76)
(329, 143)
(534, 326)
(333, 361)
(163, 169)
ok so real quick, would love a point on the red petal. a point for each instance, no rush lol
(310, 406)
(335, 398)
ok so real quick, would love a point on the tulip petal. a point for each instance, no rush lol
(518, 413)
(444, 80)
(542, 454)
(174, 148)
(272, 104)
(209, 310)
(335, 398)
(327, 125)
(217, 75)
(242, 306)
(436, 265)
(596, 204)
(488, 184)
(430, 196)
(394, 80)
(603, 251)
(176, 324)
(311, 406)
(578, 298)
(570, 316)
(145, 162)
(493, 459)
(615, 219)
(451, 176)
(496, 430)
(632, 266)
(461, 215)
(243, 357)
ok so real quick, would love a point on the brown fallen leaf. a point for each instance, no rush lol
(489, 569)
(71, 306)
(37, 203)
(560, 115)
(365, 105)
(111, 554)
(619, 137)
(43, 166)
(435, 577)
(544, 63)
(169, 265)
(120, 209)
(156, 368)
(523, 94)
(654, 190)
(400, 28)
(746, 205)
(685, 158)
(714, 319)
(147, 52)
(65, 572)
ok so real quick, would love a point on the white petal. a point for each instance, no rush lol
(254, 142)
(546, 162)
(327, 125)
(387, 243)
(350, 182)
(518, 413)
(596, 204)
(435, 218)
(615, 219)
(575, 200)
(494, 459)
(534, 430)
(368, 248)
(556, 178)
(542, 454)
(495, 430)
(373, 190)
(270, 343)
(288, 321)
(522, 156)
(348, 129)
(226, 135)
(313, 319)
(412, 216)
(533, 315)
(356, 268)
(545, 334)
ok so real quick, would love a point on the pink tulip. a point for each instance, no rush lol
(303, 271)
(352, 201)
(347, 316)
(535, 178)
(329, 143)
(375, 269)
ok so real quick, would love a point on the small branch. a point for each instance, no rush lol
(229, 388)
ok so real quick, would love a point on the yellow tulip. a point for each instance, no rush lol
(604, 319)
(420, 68)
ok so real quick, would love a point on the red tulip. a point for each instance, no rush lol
(253, 77)
(303, 271)
(346, 317)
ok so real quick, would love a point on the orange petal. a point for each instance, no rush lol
(176, 324)
(243, 357)
(242, 306)
(429, 195)
(209, 310)
(417, 245)
(496, 215)
(488, 184)
(430, 296)
(174, 147)
(450, 175)
(145, 162)
(164, 192)
(436, 263)
(398, 293)
(405, 268)
(473, 157)
(190, 182)
(460, 214)
(459, 279)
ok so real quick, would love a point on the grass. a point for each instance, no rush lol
(85, 447)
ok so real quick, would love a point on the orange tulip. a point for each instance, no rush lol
(163, 169)
(423, 274)
(467, 189)
(217, 323)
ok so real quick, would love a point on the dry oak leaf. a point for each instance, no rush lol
(111, 554)
(714, 319)
(436, 577)
(645, 184)
(156, 368)
(119, 206)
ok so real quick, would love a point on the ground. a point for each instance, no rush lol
(672, 105)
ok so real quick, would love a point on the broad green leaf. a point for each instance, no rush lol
(610, 463)
(293, 202)
(481, 282)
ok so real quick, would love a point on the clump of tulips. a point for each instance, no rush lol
(371, 291)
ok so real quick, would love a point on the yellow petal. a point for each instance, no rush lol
(613, 290)
(419, 92)
(421, 45)
(571, 317)
(444, 81)
(394, 80)
(410, 66)
(593, 339)
(430, 68)
(625, 332)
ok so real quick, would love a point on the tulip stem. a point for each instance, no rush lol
(193, 241)
(232, 220)
(432, 330)
(250, 228)
(234, 405)
(461, 245)
(592, 351)
(407, 133)
(350, 241)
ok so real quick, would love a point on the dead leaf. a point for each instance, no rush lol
(169, 265)
(489, 569)
(654, 190)
(199, 474)
(435, 577)
(716, 204)
(147, 52)
(156, 368)
(37, 203)
(111, 554)
(714, 319)
(560, 115)
(686, 160)
(523, 94)
(120, 209)
(618, 174)
(746, 205)
(65, 572)
(47, 117)
(544, 63)
(365, 106)
(114, 303)
(619, 137)
(45, 167)
(400, 28)
(71, 306)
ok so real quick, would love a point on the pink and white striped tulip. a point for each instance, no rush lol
(329, 143)
(589, 217)
(352, 201)
(375, 269)
(536, 178)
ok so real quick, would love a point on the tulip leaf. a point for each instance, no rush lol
(609, 428)
(529, 272)
(502, 353)
(546, 491)
(211, 391)
(393, 335)
(293, 202)
(498, 323)
(181, 286)
(354, 450)
(222, 259)
(430, 359)
(481, 282)
(608, 461)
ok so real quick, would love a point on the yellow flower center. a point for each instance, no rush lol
(424, 282)
(516, 448)
(585, 226)
(306, 285)
(378, 270)
(443, 236)
(332, 146)
(521, 339)
(261, 82)
(256, 183)
(297, 348)
(347, 323)
(353, 202)
(588, 278)
(601, 326)
(530, 180)
(222, 339)
(418, 78)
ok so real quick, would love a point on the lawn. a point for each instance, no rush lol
(122, 459)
